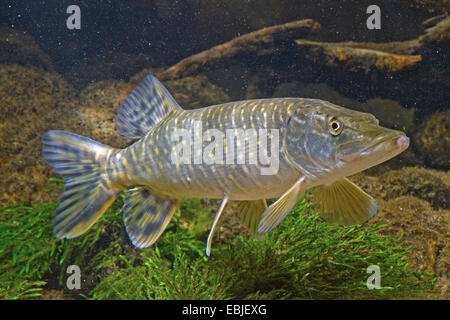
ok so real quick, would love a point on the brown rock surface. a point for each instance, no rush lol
(189, 92)
(99, 103)
(432, 140)
(423, 229)
(414, 203)
(430, 185)
(18, 47)
(32, 101)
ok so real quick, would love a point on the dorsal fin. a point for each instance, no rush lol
(147, 104)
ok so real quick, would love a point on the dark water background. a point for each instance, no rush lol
(167, 31)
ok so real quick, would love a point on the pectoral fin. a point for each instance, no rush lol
(250, 213)
(345, 203)
(278, 210)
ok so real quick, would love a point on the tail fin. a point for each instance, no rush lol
(87, 192)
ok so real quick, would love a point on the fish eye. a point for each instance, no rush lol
(335, 127)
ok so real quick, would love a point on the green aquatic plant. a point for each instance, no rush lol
(304, 258)
(31, 256)
(198, 216)
(25, 249)
(29, 252)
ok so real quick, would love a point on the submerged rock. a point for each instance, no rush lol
(432, 140)
(99, 103)
(430, 185)
(32, 101)
(196, 92)
(424, 230)
(18, 47)
(189, 92)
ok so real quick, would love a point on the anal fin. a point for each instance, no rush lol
(146, 216)
(344, 203)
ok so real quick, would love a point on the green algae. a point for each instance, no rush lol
(304, 258)
(23, 230)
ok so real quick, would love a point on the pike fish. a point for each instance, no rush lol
(319, 144)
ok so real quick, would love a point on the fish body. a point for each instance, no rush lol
(248, 151)
(148, 161)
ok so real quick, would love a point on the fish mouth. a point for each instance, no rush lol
(390, 137)
(384, 146)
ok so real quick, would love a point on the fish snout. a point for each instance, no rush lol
(402, 142)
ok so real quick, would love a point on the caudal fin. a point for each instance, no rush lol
(87, 192)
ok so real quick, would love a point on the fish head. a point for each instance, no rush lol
(334, 142)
